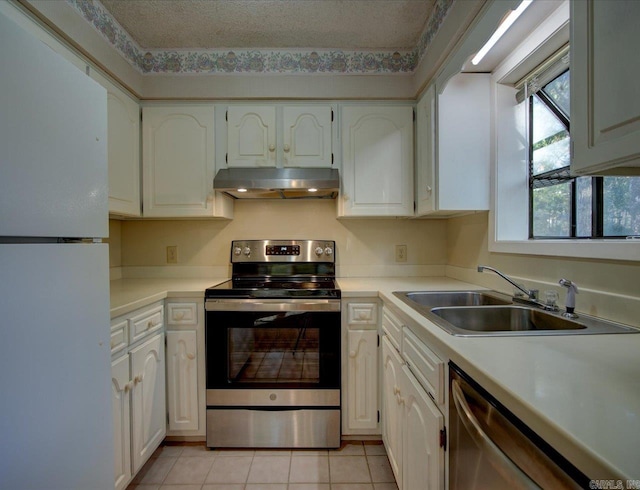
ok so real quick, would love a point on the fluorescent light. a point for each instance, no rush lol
(312, 189)
(502, 28)
(242, 189)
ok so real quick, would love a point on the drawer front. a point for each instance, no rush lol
(119, 336)
(392, 326)
(152, 320)
(427, 367)
(182, 314)
(361, 314)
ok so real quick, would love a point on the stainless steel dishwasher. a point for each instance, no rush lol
(491, 448)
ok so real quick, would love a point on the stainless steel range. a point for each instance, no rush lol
(273, 347)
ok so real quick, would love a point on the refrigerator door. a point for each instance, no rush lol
(53, 135)
(55, 408)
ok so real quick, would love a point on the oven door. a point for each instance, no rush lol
(272, 344)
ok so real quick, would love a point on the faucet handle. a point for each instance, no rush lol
(534, 293)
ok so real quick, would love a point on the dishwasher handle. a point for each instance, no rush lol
(500, 461)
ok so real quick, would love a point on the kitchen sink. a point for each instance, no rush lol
(431, 299)
(488, 313)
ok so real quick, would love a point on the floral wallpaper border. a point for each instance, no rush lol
(259, 61)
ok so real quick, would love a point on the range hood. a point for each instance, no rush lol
(278, 183)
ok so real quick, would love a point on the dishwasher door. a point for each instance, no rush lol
(490, 448)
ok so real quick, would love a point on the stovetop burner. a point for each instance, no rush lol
(280, 269)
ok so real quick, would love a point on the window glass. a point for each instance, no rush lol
(552, 211)
(550, 139)
(621, 206)
(584, 207)
(558, 91)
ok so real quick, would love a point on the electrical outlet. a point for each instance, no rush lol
(172, 254)
(401, 253)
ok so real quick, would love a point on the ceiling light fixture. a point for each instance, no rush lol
(502, 28)
(312, 189)
(242, 189)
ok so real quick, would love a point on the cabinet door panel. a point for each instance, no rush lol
(148, 425)
(392, 416)
(426, 155)
(605, 95)
(307, 136)
(120, 400)
(178, 160)
(377, 161)
(423, 458)
(123, 149)
(182, 382)
(362, 379)
(251, 136)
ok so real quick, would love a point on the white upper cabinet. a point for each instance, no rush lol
(178, 163)
(453, 146)
(306, 136)
(123, 149)
(605, 94)
(279, 136)
(377, 161)
(251, 136)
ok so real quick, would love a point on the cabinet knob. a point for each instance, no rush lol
(138, 379)
(396, 390)
(286, 148)
(352, 354)
(180, 315)
(127, 387)
(191, 356)
(429, 189)
(272, 147)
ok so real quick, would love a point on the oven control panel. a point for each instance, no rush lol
(283, 251)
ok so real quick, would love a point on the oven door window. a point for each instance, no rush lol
(276, 348)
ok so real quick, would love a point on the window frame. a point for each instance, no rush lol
(508, 228)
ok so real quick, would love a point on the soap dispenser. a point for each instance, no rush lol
(572, 290)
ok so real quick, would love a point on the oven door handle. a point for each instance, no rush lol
(274, 305)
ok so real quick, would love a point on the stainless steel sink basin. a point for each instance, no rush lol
(431, 299)
(488, 313)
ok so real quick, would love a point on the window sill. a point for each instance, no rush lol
(585, 249)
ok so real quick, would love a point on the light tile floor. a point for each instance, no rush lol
(355, 466)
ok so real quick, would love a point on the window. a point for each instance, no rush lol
(562, 206)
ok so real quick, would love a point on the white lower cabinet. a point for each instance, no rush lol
(413, 427)
(121, 405)
(182, 380)
(148, 402)
(185, 369)
(422, 456)
(138, 390)
(392, 413)
(360, 393)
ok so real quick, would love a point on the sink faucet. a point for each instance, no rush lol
(531, 293)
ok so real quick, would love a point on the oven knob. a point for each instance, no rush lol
(328, 251)
(247, 251)
(237, 251)
(319, 251)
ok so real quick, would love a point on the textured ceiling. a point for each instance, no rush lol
(247, 24)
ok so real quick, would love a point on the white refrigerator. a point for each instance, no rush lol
(56, 427)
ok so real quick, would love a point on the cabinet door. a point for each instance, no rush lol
(251, 136)
(377, 164)
(307, 136)
(425, 148)
(148, 424)
(182, 380)
(392, 417)
(362, 379)
(120, 401)
(423, 458)
(178, 161)
(123, 149)
(605, 95)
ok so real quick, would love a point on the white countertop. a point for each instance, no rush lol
(130, 294)
(581, 393)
